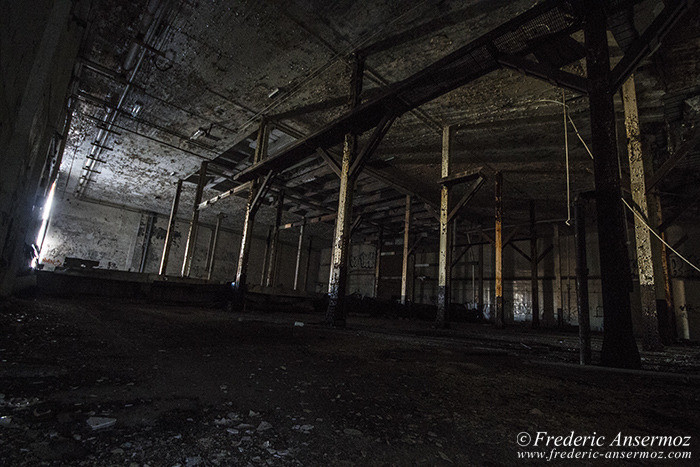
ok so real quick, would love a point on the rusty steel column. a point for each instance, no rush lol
(534, 279)
(444, 260)
(250, 210)
(171, 228)
(498, 312)
(274, 247)
(336, 313)
(378, 260)
(194, 224)
(619, 347)
(212, 246)
(299, 248)
(584, 322)
(645, 264)
(406, 239)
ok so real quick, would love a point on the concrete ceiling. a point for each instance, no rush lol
(214, 65)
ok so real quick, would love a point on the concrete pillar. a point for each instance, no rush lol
(171, 228)
(274, 243)
(619, 347)
(299, 248)
(584, 321)
(534, 279)
(406, 239)
(336, 313)
(682, 323)
(645, 265)
(194, 224)
(212, 245)
(250, 210)
(444, 258)
(499, 312)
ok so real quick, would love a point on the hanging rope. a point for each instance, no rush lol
(636, 214)
(641, 219)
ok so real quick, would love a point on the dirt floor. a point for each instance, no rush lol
(192, 386)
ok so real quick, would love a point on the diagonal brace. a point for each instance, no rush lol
(648, 42)
(371, 145)
(466, 198)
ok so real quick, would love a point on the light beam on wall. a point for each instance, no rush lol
(45, 214)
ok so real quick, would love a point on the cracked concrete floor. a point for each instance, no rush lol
(194, 386)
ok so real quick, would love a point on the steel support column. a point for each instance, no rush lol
(171, 228)
(194, 224)
(406, 239)
(534, 280)
(444, 258)
(378, 260)
(645, 264)
(336, 313)
(584, 323)
(300, 244)
(250, 210)
(558, 284)
(498, 312)
(480, 287)
(263, 270)
(272, 263)
(662, 278)
(619, 348)
(212, 245)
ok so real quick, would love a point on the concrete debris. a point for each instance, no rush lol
(299, 324)
(303, 428)
(193, 461)
(536, 412)
(5, 421)
(98, 423)
(264, 426)
(352, 432)
(253, 414)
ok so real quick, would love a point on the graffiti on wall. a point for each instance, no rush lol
(364, 260)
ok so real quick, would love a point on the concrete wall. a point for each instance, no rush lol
(38, 45)
(115, 237)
